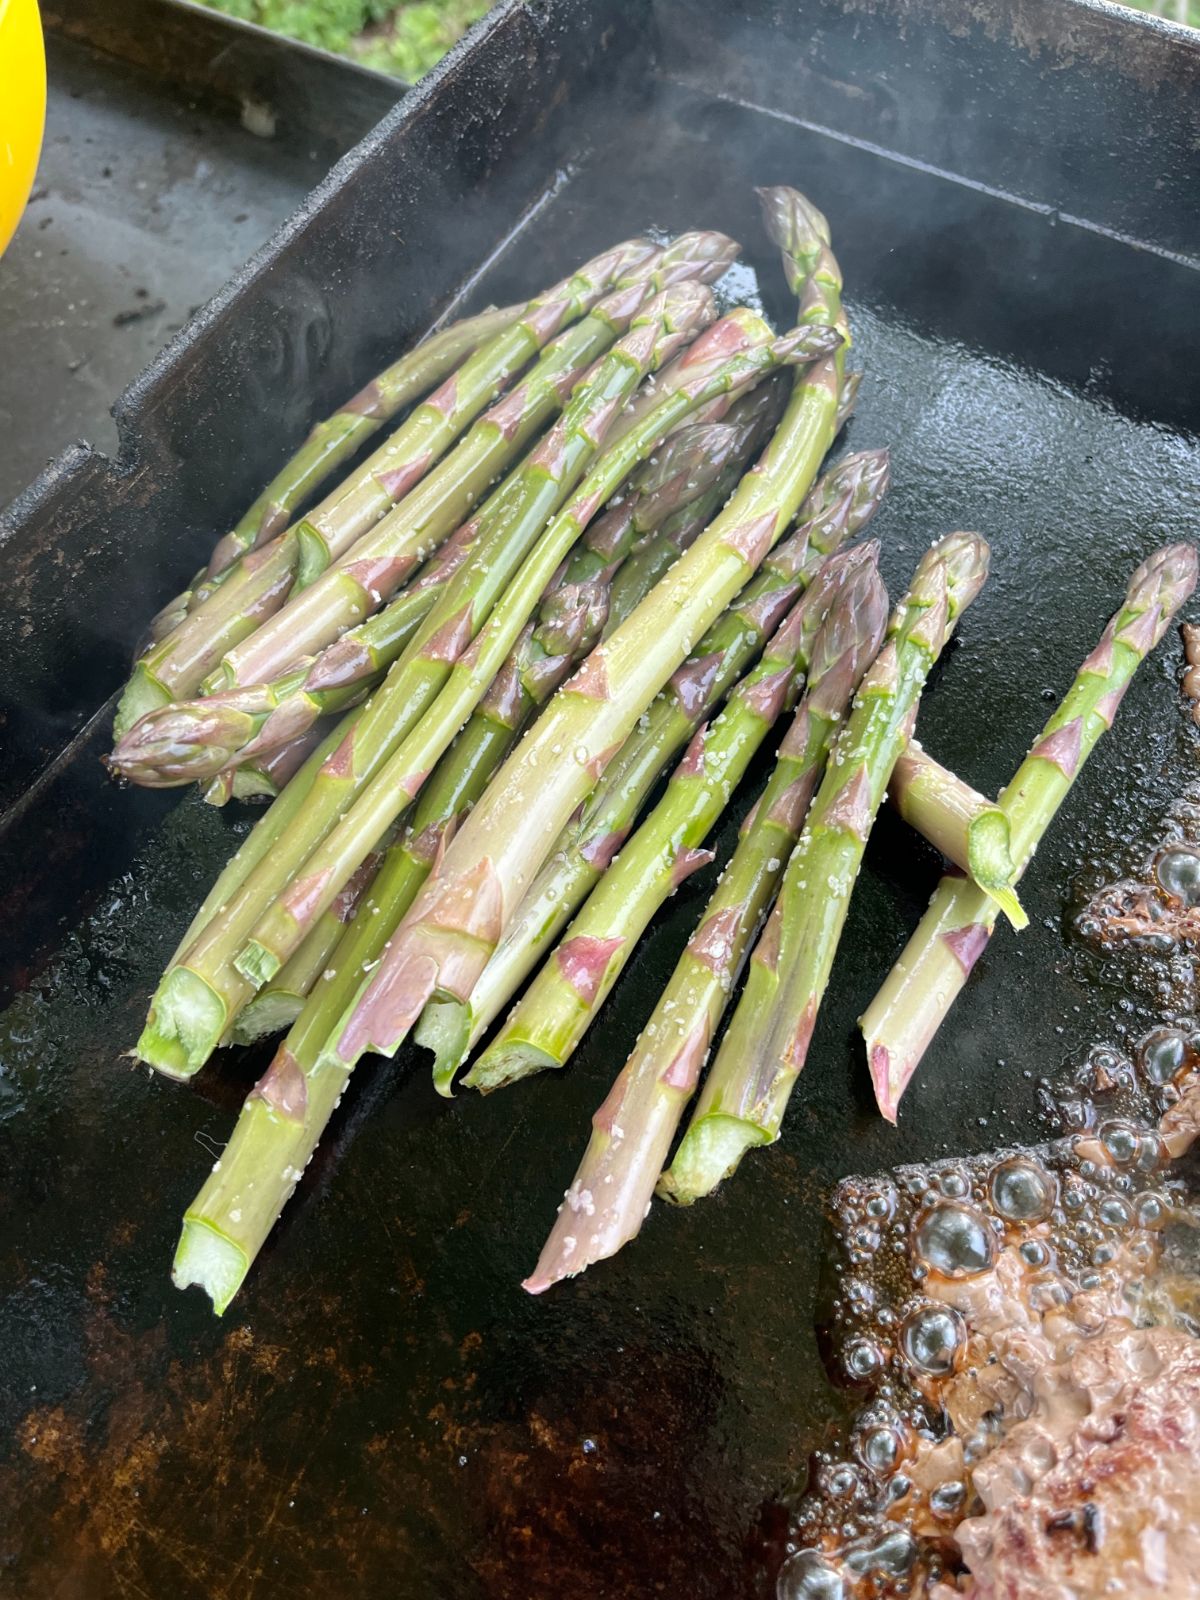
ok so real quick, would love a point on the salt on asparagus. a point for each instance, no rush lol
(902, 1019)
(549, 1021)
(765, 1047)
(840, 505)
(632, 1131)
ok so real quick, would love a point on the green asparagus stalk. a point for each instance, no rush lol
(633, 1129)
(276, 934)
(838, 508)
(277, 1004)
(902, 1019)
(971, 831)
(267, 831)
(764, 1049)
(263, 580)
(288, 1109)
(552, 1016)
(197, 1000)
(199, 739)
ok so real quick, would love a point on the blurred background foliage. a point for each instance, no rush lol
(408, 39)
(405, 39)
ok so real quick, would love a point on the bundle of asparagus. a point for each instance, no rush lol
(461, 676)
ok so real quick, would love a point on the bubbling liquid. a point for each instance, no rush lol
(941, 1272)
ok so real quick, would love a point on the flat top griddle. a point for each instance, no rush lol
(383, 1410)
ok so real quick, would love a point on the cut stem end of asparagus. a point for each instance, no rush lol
(444, 1028)
(266, 1014)
(206, 1257)
(513, 1061)
(143, 693)
(710, 1152)
(257, 964)
(185, 1026)
(992, 866)
(313, 558)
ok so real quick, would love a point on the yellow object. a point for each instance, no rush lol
(22, 108)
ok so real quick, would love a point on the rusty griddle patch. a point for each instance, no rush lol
(383, 1410)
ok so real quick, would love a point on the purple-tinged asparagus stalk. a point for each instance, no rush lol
(265, 777)
(838, 508)
(765, 1047)
(633, 1129)
(902, 1019)
(547, 1024)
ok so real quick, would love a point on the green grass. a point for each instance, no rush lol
(405, 39)
(1186, 11)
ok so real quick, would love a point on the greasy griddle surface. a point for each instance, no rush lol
(383, 1411)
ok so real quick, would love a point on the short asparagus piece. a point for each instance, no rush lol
(275, 935)
(263, 580)
(552, 1016)
(971, 832)
(632, 1131)
(902, 1019)
(763, 1052)
(197, 1000)
(277, 1005)
(838, 508)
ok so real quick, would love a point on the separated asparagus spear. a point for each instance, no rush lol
(764, 1050)
(632, 1131)
(902, 1019)
(837, 508)
(551, 1017)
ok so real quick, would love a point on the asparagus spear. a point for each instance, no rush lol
(839, 507)
(288, 1109)
(365, 571)
(277, 1004)
(764, 1049)
(969, 830)
(197, 739)
(197, 1000)
(263, 580)
(847, 399)
(920, 989)
(632, 1131)
(275, 935)
(548, 1022)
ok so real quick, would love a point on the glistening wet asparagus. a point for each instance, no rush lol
(764, 1049)
(633, 1129)
(902, 1019)
(196, 1002)
(275, 936)
(551, 1017)
(836, 509)
(263, 580)
(971, 832)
